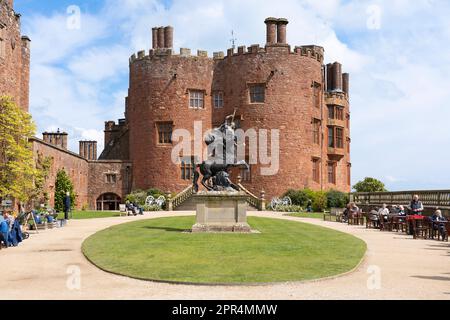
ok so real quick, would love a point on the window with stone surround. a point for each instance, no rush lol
(111, 178)
(331, 172)
(335, 137)
(316, 170)
(316, 131)
(218, 99)
(164, 132)
(331, 137)
(335, 112)
(349, 142)
(2, 42)
(196, 99)
(349, 174)
(187, 167)
(257, 93)
(339, 138)
(317, 95)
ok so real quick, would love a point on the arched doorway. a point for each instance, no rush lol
(108, 202)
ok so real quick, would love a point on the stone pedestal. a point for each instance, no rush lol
(221, 212)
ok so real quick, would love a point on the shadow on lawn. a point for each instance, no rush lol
(167, 229)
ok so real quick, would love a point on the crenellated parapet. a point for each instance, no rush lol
(167, 53)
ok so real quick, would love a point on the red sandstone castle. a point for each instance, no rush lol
(270, 87)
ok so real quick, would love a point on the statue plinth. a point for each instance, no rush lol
(222, 211)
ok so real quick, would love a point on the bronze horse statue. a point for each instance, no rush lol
(217, 174)
(215, 170)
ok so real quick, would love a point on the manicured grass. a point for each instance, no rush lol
(79, 215)
(314, 215)
(158, 249)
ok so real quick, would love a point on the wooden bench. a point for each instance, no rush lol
(334, 212)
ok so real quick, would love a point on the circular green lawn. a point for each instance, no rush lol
(159, 250)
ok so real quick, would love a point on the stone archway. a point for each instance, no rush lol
(108, 202)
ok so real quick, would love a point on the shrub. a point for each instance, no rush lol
(319, 201)
(292, 208)
(138, 197)
(298, 197)
(151, 208)
(63, 184)
(337, 199)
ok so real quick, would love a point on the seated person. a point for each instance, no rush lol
(4, 230)
(373, 216)
(353, 210)
(383, 213)
(37, 217)
(401, 211)
(137, 209)
(345, 213)
(437, 220)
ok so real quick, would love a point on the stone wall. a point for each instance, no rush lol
(75, 166)
(89, 177)
(99, 184)
(14, 56)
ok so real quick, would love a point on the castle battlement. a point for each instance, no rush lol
(276, 43)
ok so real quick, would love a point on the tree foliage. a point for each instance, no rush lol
(63, 185)
(370, 185)
(17, 168)
(337, 199)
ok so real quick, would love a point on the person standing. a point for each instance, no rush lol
(416, 205)
(67, 205)
(416, 208)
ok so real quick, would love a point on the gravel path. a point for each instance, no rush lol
(396, 267)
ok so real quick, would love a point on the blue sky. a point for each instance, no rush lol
(397, 53)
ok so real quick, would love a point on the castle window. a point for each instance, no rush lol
(349, 141)
(335, 137)
(335, 112)
(165, 132)
(257, 93)
(187, 168)
(317, 95)
(2, 42)
(196, 99)
(347, 118)
(111, 178)
(332, 172)
(331, 137)
(316, 131)
(340, 138)
(316, 170)
(349, 174)
(218, 99)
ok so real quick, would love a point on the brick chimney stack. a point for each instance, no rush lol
(282, 26)
(58, 139)
(168, 37)
(154, 38)
(88, 150)
(271, 30)
(161, 42)
(346, 83)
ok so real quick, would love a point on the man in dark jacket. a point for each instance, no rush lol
(67, 206)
